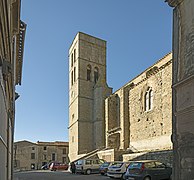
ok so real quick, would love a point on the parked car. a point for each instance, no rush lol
(104, 168)
(148, 170)
(58, 166)
(88, 166)
(117, 169)
(44, 167)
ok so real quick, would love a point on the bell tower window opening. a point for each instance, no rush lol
(74, 77)
(96, 74)
(72, 60)
(71, 77)
(89, 73)
(74, 55)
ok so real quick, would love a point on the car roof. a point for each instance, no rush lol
(144, 161)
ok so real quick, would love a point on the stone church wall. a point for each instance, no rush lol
(165, 156)
(130, 127)
(152, 126)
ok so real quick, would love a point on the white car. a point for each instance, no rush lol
(117, 169)
(88, 166)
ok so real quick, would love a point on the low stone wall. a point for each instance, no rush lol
(165, 156)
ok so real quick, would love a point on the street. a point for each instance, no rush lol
(55, 175)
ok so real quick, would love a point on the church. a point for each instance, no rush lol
(134, 122)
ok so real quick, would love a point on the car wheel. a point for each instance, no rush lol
(170, 177)
(147, 178)
(88, 171)
(122, 177)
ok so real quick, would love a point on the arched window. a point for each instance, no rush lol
(89, 69)
(148, 99)
(96, 74)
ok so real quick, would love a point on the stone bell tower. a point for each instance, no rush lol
(87, 92)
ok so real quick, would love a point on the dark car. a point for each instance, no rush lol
(104, 168)
(45, 167)
(148, 170)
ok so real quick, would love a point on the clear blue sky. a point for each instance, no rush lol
(138, 33)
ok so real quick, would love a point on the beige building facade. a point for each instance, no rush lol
(183, 88)
(87, 92)
(12, 34)
(137, 117)
(28, 155)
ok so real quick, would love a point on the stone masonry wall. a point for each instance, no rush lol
(152, 126)
(165, 156)
(87, 94)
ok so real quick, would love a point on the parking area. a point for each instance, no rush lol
(59, 175)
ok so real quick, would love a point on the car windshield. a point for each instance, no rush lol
(80, 162)
(116, 165)
(101, 161)
(105, 164)
(135, 165)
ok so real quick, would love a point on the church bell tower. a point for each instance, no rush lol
(87, 92)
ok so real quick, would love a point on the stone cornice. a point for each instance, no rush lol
(153, 73)
(174, 3)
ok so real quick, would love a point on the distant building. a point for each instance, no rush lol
(12, 35)
(133, 122)
(28, 155)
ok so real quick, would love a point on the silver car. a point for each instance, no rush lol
(117, 169)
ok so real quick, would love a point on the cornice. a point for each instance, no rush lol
(174, 3)
(153, 73)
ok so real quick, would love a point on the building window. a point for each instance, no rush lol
(53, 157)
(74, 74)
(71, 59)
(71, 77)
(148, 99)
(74, 55)
(118, 110)
(64, 151)
(96, 74)
(89, 73)
(32, 166)
(33, 148)
(32, 155)
(64, 160)
(44, 148)
(44, 156)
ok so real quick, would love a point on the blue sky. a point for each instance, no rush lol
(138, 33)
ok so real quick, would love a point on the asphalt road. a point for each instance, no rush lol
(57, 175)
